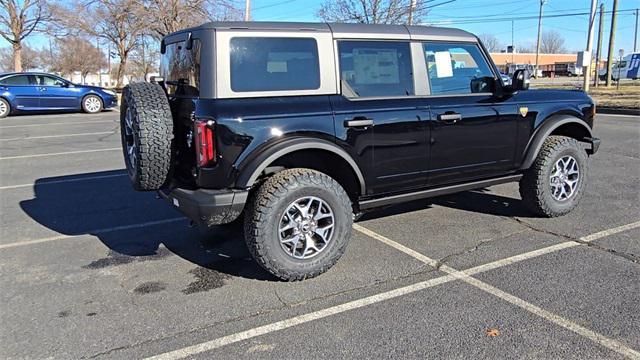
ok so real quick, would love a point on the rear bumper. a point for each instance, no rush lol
(594, 145)
(207, 207)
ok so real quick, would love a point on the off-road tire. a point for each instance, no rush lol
(152, 127)
(535, 187)
(7, 107)
(265, 208)
(90, 111)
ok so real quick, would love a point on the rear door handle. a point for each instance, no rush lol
(358, 121)
(451, 118)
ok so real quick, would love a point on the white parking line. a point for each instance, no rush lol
(58, 123)
(373, 299)
(52, 182)
(514, 300)
(58, 136)
(88, 232)
(56, 154)
(301, 319)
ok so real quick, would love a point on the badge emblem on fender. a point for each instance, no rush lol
(524, 111)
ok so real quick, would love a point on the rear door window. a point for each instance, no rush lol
(375, 68)
(274, 64)
(49, 81)
(452, 67)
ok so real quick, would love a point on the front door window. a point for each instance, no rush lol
(452, 68)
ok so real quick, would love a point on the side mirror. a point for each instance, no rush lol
(485, 84)
(520, 80)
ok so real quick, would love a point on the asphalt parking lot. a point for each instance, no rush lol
(91, 268)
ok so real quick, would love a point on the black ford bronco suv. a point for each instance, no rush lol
(301, 127)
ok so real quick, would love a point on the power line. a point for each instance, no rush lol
(484, 20)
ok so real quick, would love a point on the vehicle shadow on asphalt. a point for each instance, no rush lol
(89, 204)
(57, 112)
(480, 201)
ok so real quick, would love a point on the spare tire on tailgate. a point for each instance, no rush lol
(146, 129)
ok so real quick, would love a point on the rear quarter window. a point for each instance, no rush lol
(16, 80)
(274, 64)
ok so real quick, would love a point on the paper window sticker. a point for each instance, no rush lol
(277, 66)
(443, 64)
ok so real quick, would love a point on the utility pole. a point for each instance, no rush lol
(247, 10)
(539, 37)
(635, 37)
(513, 46)
(596, 79)
(612, 38)
(99, 70)
(586, 71)
(109, 60)
(412, 8)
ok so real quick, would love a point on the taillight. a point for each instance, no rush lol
(205, 144)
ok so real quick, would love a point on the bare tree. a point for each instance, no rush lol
(29, 60)
(552, 43)
(78, 54)
(19, 19)
(145, 58)
(120, 22)
(490, 42)
(167, 16)
(371, 11)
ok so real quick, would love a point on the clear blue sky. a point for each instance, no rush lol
(456, 13)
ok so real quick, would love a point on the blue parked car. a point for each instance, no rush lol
(30, 91)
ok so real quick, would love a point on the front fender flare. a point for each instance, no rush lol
(252, 170)
(541, 134)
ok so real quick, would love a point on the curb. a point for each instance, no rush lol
(617, 111)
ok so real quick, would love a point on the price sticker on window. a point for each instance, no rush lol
(443, 64)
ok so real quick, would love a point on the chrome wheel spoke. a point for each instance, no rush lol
(309, 244)
(324, 231)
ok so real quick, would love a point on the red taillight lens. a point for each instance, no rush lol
(205, 145)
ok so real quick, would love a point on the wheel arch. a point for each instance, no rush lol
(298, 152)
(559, 124)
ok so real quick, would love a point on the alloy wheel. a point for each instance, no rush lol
(306, 227)
(564, 179)
(3, 108)
(130, 139)
(92, 104)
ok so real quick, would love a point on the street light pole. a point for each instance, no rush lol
(586, 71)
(539, 37)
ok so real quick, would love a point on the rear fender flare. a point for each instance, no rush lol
(252, 170)
(543, 132)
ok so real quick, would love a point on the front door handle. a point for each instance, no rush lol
(358, 121)
(450, 118)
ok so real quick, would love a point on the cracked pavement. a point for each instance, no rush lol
(138, 291)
